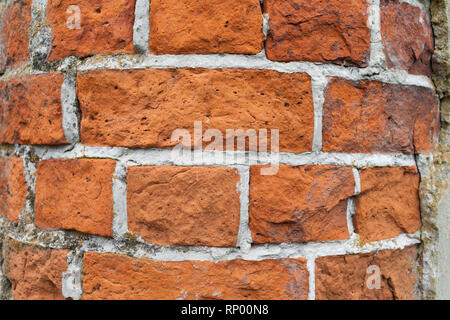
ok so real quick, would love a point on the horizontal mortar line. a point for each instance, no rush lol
(24, 70)
(275, 251)
(310, 250)
(134, 157)
(222, 61)
(227, 61)
(417, 3)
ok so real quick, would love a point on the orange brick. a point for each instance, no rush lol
(300, 204)
(31, 111)
(13, 188)
(142, 108)
(106, 27)
(205, 26)
(349, 277)
(14, 34)
(388, 204)
(35, 273)
(407, 37)
(75, 195)
(375, 117)
(185, 206)
(108, 276)
(333, 31)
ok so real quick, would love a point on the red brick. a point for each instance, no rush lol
(14, 34)
(31, 111)
(206, 26)
(35, 273)
(375, 117)
(13, 188)
(388, 204)
(407, 37)
(142, 108)
(75, 195)
(106, 28)
(318, 31)
(300, 204)
(184, 206)
(347, 277)
(108, 276)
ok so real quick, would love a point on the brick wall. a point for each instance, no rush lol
(96, 204)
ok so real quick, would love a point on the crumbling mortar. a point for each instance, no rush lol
(29, 163)
(57, 239)
(141, 29)
(71, 279)
(377, 57)
(134, 157)
(120, 225)
(40, 36)
(245, 235)
(318, 85)
(71, 114)
(311, 267)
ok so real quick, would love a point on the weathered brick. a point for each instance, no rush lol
(375, 117)
(319, 31)
(31, 111)
(347, 277)
(75, 195)
(14, 38)
(388, 204)
(13, 188)
(35, 273)
(142, 108)
(193, 206)
(106, 27)
(407, 37)
(108, 276)
(300, 204)
(206, 26)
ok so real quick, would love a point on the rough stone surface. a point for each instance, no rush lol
(347, 277)
(388, 204)
(75, 195)
(142, 108)
(319, 31)
(14, 34)
(13, 188)
(106, 27)
(35, 273)
(407, 37)
(300, 204)
(435, 191)
(31, 110)
(5, 285)
(108, 276)
(440, 18)
(206, 26)
(443, 279)
(375, 117)
(185, 206)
